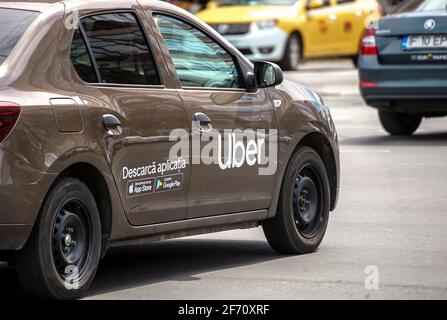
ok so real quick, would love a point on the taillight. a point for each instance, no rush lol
(369, 43)
(364, 84)
(9, 113)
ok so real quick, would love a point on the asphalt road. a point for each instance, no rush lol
(392, 215)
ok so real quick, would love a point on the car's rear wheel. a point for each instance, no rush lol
(304, 204)
(60, 258)
(402, 124)
(292, 54)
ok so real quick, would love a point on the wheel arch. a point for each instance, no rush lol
(322, 146)
(95, 181)
(318, 142)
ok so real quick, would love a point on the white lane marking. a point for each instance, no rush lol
(348, 150)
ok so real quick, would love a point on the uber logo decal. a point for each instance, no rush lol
(227, 148)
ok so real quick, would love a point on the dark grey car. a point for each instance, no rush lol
(403, 67)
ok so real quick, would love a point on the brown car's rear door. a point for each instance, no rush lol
(136, 111)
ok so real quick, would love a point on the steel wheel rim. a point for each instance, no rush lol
(71, 240)
(307, 201)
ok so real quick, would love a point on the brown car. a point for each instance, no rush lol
(125, 122)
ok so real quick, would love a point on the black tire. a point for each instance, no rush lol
(400, 124)
(355, 61)
(66, 235)
(299, 226)
(292, 54)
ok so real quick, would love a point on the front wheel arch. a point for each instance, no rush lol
(321, 145)
(318, 142)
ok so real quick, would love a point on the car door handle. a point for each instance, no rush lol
(205, 122)
(109, 121)
(202, 118)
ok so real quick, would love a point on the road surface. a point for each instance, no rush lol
(391, 222)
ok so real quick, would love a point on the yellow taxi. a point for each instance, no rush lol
(284, 31)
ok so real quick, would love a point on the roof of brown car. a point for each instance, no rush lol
(28, 5)
(41, 5)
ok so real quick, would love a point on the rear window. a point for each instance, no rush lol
(13, 23)
(433, 5)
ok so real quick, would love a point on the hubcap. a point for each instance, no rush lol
(307, 209)
(70, 239)
(306, 199)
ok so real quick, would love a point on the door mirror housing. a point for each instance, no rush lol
(251, 82)
(267, 74)
(315, 4)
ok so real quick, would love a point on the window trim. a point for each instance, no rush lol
(93, 59)
(342, 2)
(212, 37)
(89, 52)
(325, 5)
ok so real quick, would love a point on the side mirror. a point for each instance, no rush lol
(314, 4)
(267, 74)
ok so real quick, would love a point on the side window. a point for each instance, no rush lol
(324, 3)
(199, 61)
(81, 58)
(119, 49)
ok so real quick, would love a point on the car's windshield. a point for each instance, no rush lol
(222, 3)
(432, 5)
(13, 23)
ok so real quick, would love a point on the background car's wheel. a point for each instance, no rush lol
(292, 54)
(399, 123)
(304, 204)
(355, 60)
(60, 258)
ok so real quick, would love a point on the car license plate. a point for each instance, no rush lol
(425, 42)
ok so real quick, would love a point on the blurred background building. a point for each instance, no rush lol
(389, 6)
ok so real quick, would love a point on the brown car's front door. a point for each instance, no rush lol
(134, 115)
(213, 92)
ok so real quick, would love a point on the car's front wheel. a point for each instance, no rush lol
(304, 204)
(401, 124)
(292, 54)
(60, 258)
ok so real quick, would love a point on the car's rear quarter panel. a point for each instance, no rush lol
(37, 151)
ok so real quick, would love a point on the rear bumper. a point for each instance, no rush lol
(22, 190)
(412, 88)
